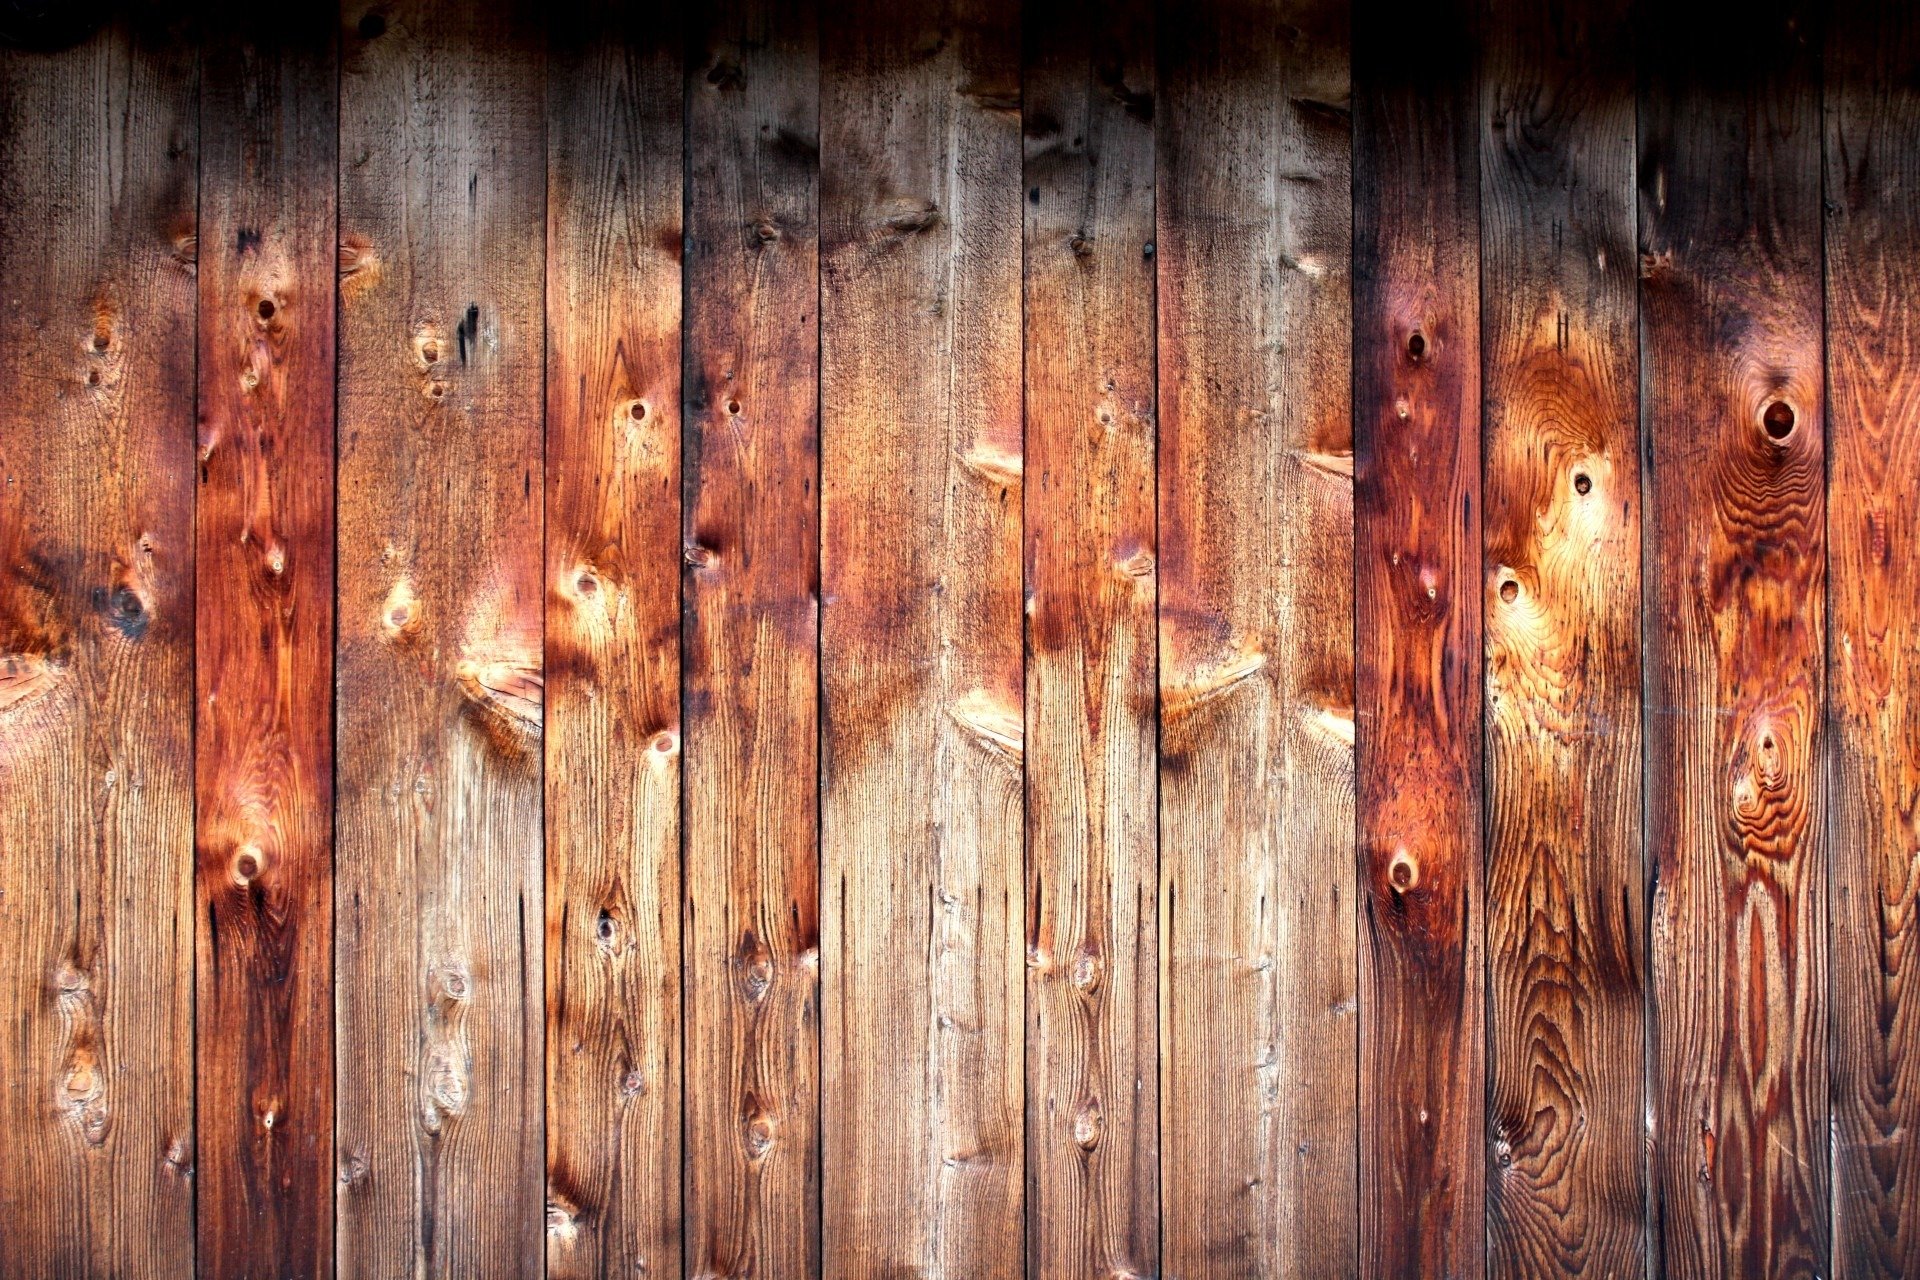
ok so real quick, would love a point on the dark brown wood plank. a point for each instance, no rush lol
(922, 1072)
(439, 954)
(1872, 150)
(1416, 235)
(751, 592)
(1565, 917)
(1729, 175)
(614, 142)
(264, 732)
(1256, 640)
(1093, 962)
(97, 195)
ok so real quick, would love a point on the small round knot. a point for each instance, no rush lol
(1778, 419)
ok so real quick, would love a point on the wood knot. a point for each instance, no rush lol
(755, 965)
(1403, 872)
(1087, 969)
(1416, 346)
(248, 862)
(1778, 420)
(1089, 1126)
(758, 1129)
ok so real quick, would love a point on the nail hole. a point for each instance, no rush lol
(1417, 346)
(372, 27)
(1778, 419)
(1580, 482)
(1509, 591)
(266, 308)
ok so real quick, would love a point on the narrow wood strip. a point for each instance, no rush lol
(1735, 641)
(1256, 640)
(439, 959)
(269, 113)
(614, 143)
(1565, 915)
(1873, 376)
(1093, 1140)
(751, 590)
(97, 195)
(1416, 238)
(923, 1073)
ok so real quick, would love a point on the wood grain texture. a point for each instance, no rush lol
(1416, 234)
(1092, 933)
(1872, 94)
(923, 1072)
(751, 592)
(1561, 590)
(263, 757)
(97, 194)
(1256, 641)
(439, 952)
(614, 1095)
(1729, 179)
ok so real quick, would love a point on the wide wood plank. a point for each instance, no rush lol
(1872, 149)
(1093, 964)
(1416, 235)
(922, 1072)
(1565, 920)
(1729, 176)
(614, 139)
(97, 196)
(751, 587)
(264, 731)
(438, 999)
(1256, 640)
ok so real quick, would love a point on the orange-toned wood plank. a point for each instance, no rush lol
(614, 185)
(97, 196)
(1565, 915)
(1256, 640)
(921, 638)
(1872, 93)
(1729, 175)
(439, 902)
(1093, 964)
(752, 577)
(264, 733)
(1416, 234)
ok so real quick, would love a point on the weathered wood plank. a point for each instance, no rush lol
(614, 173)
(1565, 927)
(1729, 175)
(439, 954)
(921, 638)
(97, 195)
(1872, 154)
(1093, 964)
(1256, 640)
(264, 732)
(752, 579)
(1418, 563)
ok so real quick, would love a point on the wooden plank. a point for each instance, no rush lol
(1416, 241)
(1872, 152)
(1256, 640)
(1093, 965)
(751, 634)
(264, 654)
(1565, 921)
(921, 638)
(614, 140)
(439, 960)
(97, 192)
(1731, 331)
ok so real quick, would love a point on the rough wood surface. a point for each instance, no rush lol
(1873, 458)
(1092, 932)
(1729, 179)
(97, 196)
(264, 731)
(439, 961)
(1561, 591)
(1416, 236)
(614, 188)
(1256, 641)
(921, 638)
(752, 578)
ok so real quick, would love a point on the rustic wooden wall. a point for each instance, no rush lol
(883, 638)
